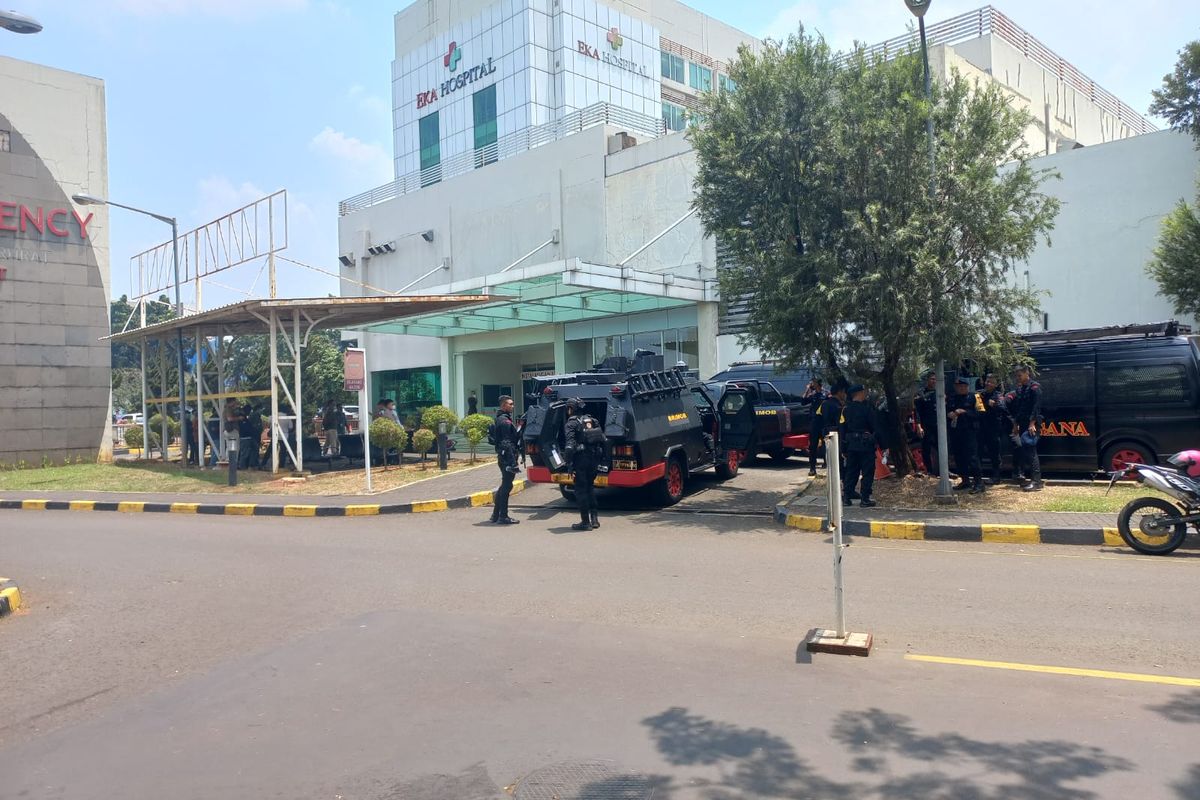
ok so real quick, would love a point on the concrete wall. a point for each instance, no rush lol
(55, 376)
(1114, 198)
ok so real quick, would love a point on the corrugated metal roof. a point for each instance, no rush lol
(249, 316)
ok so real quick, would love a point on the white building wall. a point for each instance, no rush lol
(1114, 198)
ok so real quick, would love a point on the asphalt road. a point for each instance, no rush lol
(433, 656)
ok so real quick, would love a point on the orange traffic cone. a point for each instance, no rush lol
(882, 470)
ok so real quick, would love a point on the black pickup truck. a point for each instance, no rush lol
(775, 416)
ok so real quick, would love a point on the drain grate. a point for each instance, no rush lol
(585, 780)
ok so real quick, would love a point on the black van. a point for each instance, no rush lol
(1116, 395)
(778, 402)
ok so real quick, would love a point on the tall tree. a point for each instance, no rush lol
(814, 176)
(1176, 262)
(1178, 101)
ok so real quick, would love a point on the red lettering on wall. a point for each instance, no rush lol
(425, 98)
(57, 231)
(587, 50)
(36, 222)
(5, 210)
(83, 223)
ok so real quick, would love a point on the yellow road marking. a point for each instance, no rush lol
(897, 530)
(131, 507)
(482, 498)
(805, 523)
(970, 551)
(14, 597)
(1080, 673)
(299, 511)
(34, 505)
(240, 509)
(185, 508)
(83, 505)
(429, 505)
(1013, 534)
(362, 511)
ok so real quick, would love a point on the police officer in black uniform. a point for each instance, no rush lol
(813, 397)
(1025, 408)
(963, 410)
(992, 424)
(585, 448)
(925, 406)
(857, 430)
(508, 443)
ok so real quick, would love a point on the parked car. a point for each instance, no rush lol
(778, 407)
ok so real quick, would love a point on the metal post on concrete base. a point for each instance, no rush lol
(838, 641)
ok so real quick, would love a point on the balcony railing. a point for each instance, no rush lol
(980, 22)
(506, 147)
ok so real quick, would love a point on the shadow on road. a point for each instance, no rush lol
(1183, 708)
(1189, 787)
(752, 762)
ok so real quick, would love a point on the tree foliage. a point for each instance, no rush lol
(422, 440)
(430, 417)
(1176, 263)
(387, 436)
(814, 176)
(1178, 101)
(475, 428)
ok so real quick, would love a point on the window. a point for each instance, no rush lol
(672, 67)
(700, 77)
(484, 103)
(1067, 386)
(431, 148)
(1152, 384)
(5, 142)
(674, 116)
(726, 83)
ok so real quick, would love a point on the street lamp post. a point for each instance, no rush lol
(19, 23)
(944, 492)
(184, 429)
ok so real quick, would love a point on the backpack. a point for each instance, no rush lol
(491, 435)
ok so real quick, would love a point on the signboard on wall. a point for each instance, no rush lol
(354, 369)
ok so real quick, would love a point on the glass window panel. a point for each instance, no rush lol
(431, 146)
(700, 77)
(648, 341)
(674, 116)
(671, 347)
(1148, 383)
(484, 109)
(689, 345)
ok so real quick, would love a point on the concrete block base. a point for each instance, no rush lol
(826, 641)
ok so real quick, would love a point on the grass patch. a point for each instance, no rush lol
(139, 477)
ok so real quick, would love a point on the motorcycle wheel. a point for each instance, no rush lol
(1146, 525)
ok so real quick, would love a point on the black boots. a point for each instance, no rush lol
(587, 523)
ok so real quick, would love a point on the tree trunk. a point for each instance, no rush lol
(901, 456)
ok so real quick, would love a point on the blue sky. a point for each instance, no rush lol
(213, 103)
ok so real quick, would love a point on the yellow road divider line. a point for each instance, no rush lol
(362, 511)
(34, 505)
(131, 507)
(185, 508)
(429, 505)
(83, 505)
(299, 511)
(1079, 673)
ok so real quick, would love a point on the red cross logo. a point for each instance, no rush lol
(615, 39)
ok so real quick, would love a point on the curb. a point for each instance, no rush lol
(10, 597)
(259, 510)
(981, 532)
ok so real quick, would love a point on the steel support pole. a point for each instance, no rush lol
(944, 492)
(364, 414)
(183, 415)
(145, 407)
(296, 402)
(270, 245)
(273, 322)
(833, 471)
(163, 443)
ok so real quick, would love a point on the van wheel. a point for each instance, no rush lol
(727, 467)
(568, 493)
(669, 490)
(1120, 454)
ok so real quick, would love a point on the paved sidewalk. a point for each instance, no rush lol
(461, 489)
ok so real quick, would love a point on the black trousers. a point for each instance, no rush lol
(585, 489)
(966, 457)
(814, 445)
(929, 450)
(1031, 467)
(500, 507)
(859, 464)
(989, 448)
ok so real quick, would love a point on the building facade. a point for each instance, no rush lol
(55, 372)
(541, 157)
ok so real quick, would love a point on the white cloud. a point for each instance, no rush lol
(367, 156)
(241, 9)
(371, 104)
(217, 196)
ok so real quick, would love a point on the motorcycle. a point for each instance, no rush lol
(1155, 526)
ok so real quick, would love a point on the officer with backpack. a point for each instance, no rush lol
(585, 442)
(506, 438)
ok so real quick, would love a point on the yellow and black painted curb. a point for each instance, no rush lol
(10, 597)
(933, 531)
(484, 498)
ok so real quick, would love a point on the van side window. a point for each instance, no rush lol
(1144, 383)
(1067, 386)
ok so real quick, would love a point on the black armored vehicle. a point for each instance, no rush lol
(662, 425)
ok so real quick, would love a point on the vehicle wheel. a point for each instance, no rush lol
(728, 467)
(1117, 456)
(568, 493)
(669, 490)
(781, 456)
(1150, 525)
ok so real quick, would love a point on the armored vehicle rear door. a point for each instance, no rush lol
(737, 418)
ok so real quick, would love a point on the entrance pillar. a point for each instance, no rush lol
(706, 332)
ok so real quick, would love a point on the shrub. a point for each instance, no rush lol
(387, 436)
(423, 439)
(133, 437)
(433, 415)
(475, 428)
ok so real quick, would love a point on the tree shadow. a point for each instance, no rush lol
(752, 762)
(1189, 787)
(1182, 708)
